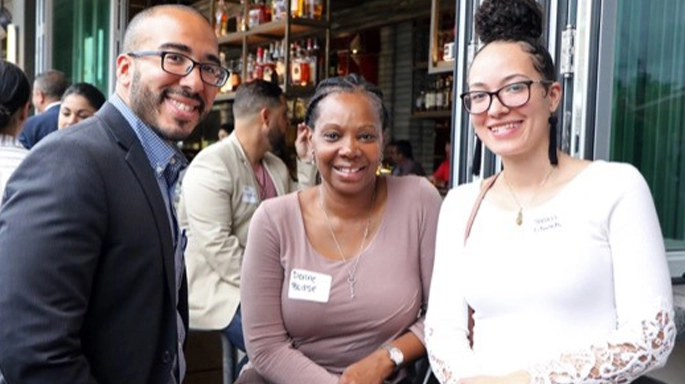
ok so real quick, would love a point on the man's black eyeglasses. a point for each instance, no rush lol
(511, 96)
(181, 65)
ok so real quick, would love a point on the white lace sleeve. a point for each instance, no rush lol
(630, 352)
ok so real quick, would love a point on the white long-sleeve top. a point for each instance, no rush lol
(580, 293)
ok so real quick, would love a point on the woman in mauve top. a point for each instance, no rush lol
(335, 278)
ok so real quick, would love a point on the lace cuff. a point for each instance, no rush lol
(631, 351)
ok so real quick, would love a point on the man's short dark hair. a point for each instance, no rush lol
(52, 83)
(251, 97)
(404, 148)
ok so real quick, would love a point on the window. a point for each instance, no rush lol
(80, 40)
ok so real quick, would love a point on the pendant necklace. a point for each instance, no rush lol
(519, 215)
(351, 272)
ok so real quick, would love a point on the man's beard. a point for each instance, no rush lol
(276, 139)
(144, 104)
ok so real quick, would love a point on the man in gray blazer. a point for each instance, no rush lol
(92, 283)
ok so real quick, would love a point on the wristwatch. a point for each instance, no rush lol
(396, 355)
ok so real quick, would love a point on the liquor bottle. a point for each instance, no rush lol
(448, 93)
(420, 103)
(295, 68)
(305, 69)
(296, 8)
(312, 60)
(429, 102)
(259, 64)
(313, 9)
(235, 78)
(280, 61)
(439, 94)
(268, 63)
(266, 15)
(278, 9)
(220, 19)
(249, 73)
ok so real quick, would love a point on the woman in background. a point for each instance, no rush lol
(15, 94)
(80, 101)
(564, 269)
(335, 278)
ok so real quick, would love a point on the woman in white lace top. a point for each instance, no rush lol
(565, 266)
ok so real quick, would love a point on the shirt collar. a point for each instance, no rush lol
(160, 153)
(53, 104)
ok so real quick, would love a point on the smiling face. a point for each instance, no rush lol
(172, 105)
(512, 132)
(73, 109)
(347, 141)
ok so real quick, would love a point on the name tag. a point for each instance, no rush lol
(249, 195)
(309, 286)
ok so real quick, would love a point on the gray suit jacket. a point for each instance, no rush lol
(87, 287)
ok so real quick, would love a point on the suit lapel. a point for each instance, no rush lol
(141, 168)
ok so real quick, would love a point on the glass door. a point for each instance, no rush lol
(641, 114)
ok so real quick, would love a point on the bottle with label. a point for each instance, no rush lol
(420, 101)
(279, 9)
(266, 15)
(234, 79)
(280, 61)
(429, 103)
(249, 73)
(295, 69)
(296, 8)
(220, 19)
(305, 69)
(259, 65)
(313, 9)
(439, 94)
(269, 64)
(313, 60)
(448, 93)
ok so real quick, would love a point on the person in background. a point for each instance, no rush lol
(79, 102)
(564, 273)
(221, 190)
(15, 91)
(441, 177)
(48, 89)
(335, 277)
(92, 284)
(402, 158)
(224, 131)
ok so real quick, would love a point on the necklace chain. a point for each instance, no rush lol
(351, 272)
(519, 215)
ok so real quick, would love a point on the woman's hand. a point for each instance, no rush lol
(518, 377)
(372, 369)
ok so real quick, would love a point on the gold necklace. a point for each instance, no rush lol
(351, 273)
(519, 215)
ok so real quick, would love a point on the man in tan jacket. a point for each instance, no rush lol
(221, 190)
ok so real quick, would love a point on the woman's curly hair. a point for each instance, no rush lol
(519, 21)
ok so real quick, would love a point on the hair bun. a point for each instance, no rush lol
(508, 19)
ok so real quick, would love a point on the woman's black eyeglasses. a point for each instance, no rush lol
(511, 96)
